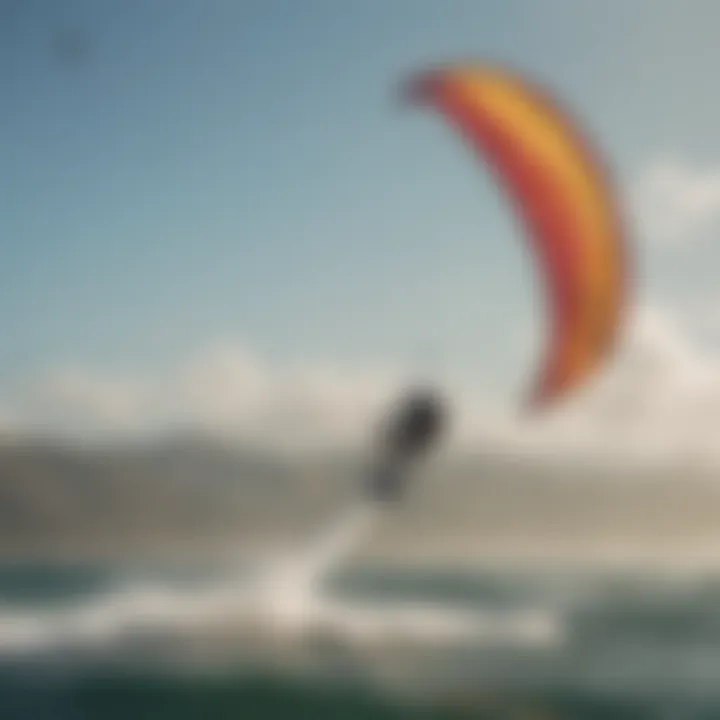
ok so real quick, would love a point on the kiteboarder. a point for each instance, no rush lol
(406, 435)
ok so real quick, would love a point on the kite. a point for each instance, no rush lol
(564, 197)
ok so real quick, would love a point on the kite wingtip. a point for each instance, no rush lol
(541, 398)
(420, 86)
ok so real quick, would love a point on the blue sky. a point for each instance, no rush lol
(217, 170)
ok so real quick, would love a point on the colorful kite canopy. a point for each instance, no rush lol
(565, 200)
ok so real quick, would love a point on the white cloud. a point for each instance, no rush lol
(9, 425)
(227, 391)
(92, 398)
(673, 201)
(230, 390)
(659, 399)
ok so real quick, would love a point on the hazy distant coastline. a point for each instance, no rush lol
(190, 496)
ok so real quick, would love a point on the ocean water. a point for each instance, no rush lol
(90, 641)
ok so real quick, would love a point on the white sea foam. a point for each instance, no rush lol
(287, 604)
(133, 612)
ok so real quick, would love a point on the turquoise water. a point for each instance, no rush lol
(633, 646)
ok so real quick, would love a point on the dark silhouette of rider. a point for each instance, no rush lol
(406, 435)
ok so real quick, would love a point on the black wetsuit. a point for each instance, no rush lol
(412, 432)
